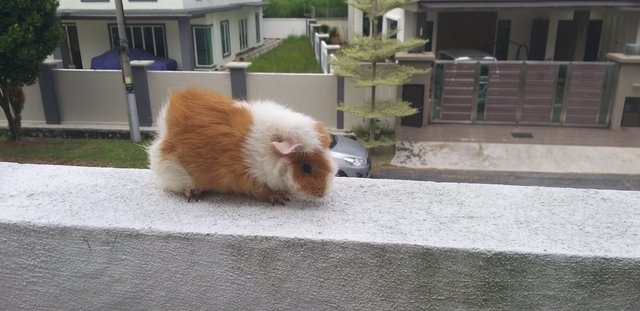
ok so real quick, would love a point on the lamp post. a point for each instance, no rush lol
(127, 79)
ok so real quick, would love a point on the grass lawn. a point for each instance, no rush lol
(82, 152)
(106, 152)
(293, 55)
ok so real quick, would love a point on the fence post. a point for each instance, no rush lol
(238, 74)
(331, 50)
(311, 21)
(340, 99)
(143, 103)
(319, 42)
(48, 92)
(314, 32)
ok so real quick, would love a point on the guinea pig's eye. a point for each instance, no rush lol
(307, 168)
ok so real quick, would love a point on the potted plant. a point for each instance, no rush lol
(334, 36)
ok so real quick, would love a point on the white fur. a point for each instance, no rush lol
(169, 173)
(273, 122)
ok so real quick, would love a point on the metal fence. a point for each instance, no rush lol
(522, 92)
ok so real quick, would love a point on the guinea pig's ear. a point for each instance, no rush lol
(286, 147)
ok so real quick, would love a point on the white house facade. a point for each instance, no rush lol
(570, 30)
(198, 34)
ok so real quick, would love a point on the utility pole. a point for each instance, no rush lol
(127, 79)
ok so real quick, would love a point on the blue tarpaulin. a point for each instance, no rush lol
(111, 60)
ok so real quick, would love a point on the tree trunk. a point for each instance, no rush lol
(6, 107)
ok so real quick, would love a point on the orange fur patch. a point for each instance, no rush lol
(325, 140)
(314, 184)
(206, 133)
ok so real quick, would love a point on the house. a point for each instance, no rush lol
(198, 34)
(567, 30)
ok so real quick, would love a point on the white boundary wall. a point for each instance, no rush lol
(87, 97)
(284, 27)
(77, 238)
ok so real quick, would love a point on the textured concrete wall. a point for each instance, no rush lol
(84, 238)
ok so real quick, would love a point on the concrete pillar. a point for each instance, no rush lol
(186, 43)
(425, 61)
(141, 84)
(627, 84)
(48, 92)
(238, 73)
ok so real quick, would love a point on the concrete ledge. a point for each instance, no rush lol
(81, 238)
(624, 58)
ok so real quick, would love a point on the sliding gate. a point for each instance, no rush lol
(516, 92)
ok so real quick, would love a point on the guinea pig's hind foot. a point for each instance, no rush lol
(278, 198)
(192, 194)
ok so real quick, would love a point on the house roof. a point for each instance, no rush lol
(499, 4)
(154, 14)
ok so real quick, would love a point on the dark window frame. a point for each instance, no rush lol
(195, 49)
(111, 27)
(225, 37)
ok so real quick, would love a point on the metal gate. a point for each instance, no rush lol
(517, 92)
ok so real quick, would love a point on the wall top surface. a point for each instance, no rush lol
(581, 222)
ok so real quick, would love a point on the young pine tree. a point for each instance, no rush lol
(365, 61)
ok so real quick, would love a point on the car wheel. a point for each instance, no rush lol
(341, 174)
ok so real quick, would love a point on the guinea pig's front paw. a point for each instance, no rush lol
(192, 194)
(278, 198)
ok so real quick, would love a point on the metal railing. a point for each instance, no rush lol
(522, 92)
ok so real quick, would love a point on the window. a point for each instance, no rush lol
(150, 38)
(71, 50)
(244, 43)
(258, 27)
(502, 39)
(224, 34)
(392, 28)
(202, 45)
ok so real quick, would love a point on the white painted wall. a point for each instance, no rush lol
(313, 94)
(354, 24)
(284, 27)
(90, 97)
(84, 238)
(234, 18)
(33, 111)
(162, 83)
(155, 5)
(399, 16)
(93, 36)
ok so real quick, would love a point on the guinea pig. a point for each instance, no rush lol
(209, 142)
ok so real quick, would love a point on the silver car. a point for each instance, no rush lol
(350, 156)
(462, 55)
